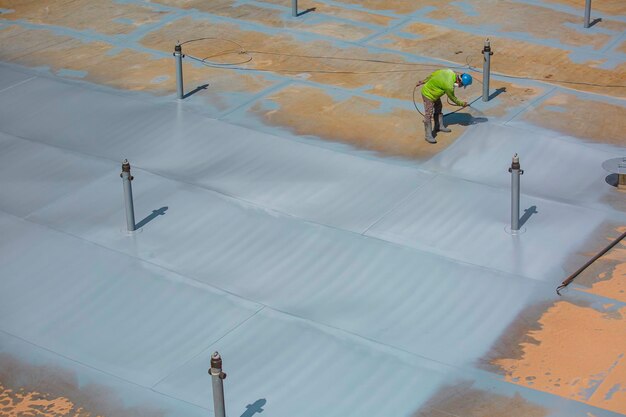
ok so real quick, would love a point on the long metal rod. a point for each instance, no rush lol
(128, 196)
(486, 69)
(294, 8)
(587, 13)
(586, 265)
(217, 379)
(515, 171)
(178, 54)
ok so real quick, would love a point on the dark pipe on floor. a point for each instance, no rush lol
(585, 266)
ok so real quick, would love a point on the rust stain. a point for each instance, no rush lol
(588, 119)
(462, 399)
(396, 6)
(608, 278)
(612, 284)
(279, 53)
(311, 111)
(273, 18)
(34, 404)
(327, 9)
(282, 53)
(99, 16)
(614, 7)
(538, 21)
(43, 391)
(546, 63)
(127, 69)
(574, 351)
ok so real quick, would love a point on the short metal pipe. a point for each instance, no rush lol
(128, 196)
(217, 379)
(587, 13)
(515, 171)
(178, 54)
(486, 69)
(294, 8)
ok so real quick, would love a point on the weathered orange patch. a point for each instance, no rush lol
(274, 18)
(577, 352)
(34, 404)
(309, 6)
(463, 400)
(610, 279)
(614, 7)
(539, 21)
(571, 114)
(354, 120)
(546, 64)
(42, 391)
(126, 69)
(397, 6)
(104, 16)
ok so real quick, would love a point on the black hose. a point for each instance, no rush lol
(586, 265)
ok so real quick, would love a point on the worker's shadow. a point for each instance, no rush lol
(256, 407)
(463, 119)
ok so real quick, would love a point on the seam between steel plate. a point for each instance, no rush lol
(271, 209)
(531, 104)
(119, 378)
(255, 97)
(195, 280)
(17, 84)
(400, 202)
(175, 368)
(607, 210)
(384, 31)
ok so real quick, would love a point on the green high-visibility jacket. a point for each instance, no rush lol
(439, 83)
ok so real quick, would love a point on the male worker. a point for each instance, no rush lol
(436, 85)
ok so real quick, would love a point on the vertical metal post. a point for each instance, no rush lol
(218, 377)
(587, 13)
(515, 171)
(128, 196)
(486, 69)
(294, 8)
(178, 54)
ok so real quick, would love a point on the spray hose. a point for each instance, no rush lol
(586, 265)
(469, 104)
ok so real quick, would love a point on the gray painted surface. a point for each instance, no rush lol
(470, 226)
(555, 167)
(315, 274)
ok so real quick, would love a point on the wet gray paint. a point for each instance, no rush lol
(283, 256)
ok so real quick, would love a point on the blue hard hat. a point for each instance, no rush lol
(466, 79)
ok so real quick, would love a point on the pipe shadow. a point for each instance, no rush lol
(497, 93)
(152, 216)
(463, 119)
(256, 407)
(595, 22)
(612, 180)
(527, 215)
(195, 90)
(309, 10)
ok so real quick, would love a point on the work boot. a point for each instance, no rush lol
(439, 126)
(428, 132)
